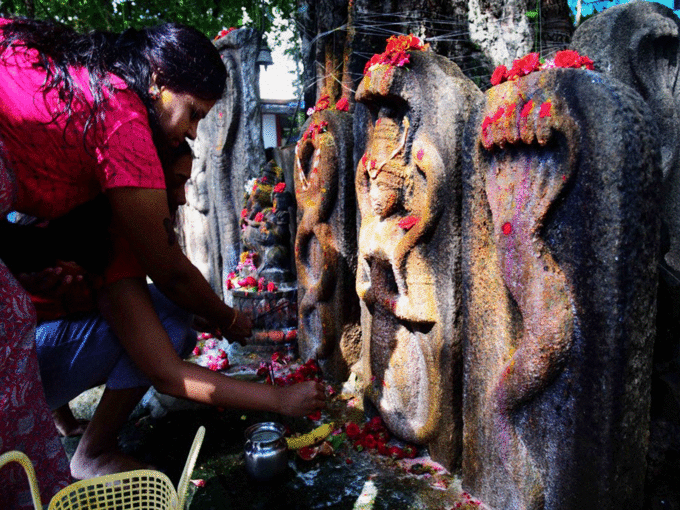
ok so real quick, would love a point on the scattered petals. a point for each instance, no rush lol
(408, 222)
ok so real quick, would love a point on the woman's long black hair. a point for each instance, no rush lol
(179, 56)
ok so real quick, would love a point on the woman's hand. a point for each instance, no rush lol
(67, 282)
(241, 328)
(302, 398)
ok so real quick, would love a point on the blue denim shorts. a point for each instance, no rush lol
(80, 353)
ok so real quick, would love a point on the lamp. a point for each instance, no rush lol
(264, 56)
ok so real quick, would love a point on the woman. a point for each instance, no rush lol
(82, 114)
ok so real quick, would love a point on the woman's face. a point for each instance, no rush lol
(178, 114)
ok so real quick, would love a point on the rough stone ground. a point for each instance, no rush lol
(161, 431)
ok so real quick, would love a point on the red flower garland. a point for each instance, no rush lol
(531, 62)
(395, 52)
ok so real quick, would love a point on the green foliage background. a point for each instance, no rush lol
(208, 16)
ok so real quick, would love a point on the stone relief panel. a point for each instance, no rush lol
(560, 236)
(408, 276)
(325, 244)
(228, 151)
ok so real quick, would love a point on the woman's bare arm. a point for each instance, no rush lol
(127, 306)
(143, 218)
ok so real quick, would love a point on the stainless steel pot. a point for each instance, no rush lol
(266, 450)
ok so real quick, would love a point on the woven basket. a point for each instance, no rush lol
(142, 489)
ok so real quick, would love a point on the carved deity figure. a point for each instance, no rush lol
(408, 275)
(265, 224)
(325, 244)
(557, 255)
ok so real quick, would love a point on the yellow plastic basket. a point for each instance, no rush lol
(142, 489)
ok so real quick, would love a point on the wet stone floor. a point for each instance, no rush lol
(160, 432)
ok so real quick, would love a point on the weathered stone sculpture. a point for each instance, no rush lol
(408, 187)
(560, 241)
(228, 151)
(325, 245)
(638, 43)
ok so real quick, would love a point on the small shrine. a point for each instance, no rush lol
(263, 284)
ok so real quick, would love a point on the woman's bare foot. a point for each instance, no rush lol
(67, 424)
(106, 463)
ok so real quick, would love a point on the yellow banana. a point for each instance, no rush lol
(310, 438)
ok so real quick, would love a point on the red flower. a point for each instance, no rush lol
(410, 452)
(375, 424)
(244, 212)
(352, 429)
(280, 187)
(315, 416)
(408, 222)
(196, 351)
(230, 285)
(499, 75)
(396, 453)
(323, 103)
(250, 281)
(260, 284)
(259, 217)
(369, 442)
(308, 452)
(224, 32)
(545, 109)
(342, 105)
(221, 354)
(382, 448)
(587, 63)
(375, 59)
(567, 58)
(271, 287)
(507, 228)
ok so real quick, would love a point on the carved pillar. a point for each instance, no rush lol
(228, 151)
(325, 246)
(408, 275)
(560, 242)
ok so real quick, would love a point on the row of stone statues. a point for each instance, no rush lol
(496, 289)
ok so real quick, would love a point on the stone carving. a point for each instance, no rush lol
(325, 245)
(408, 274)
(266, 224)
(638, 43)
(560, 238)
(228, 151)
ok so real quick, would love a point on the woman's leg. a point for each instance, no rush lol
(97, 453)
(25, 420)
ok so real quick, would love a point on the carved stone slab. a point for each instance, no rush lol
(325, 244)
(408, 276)
(561, 216)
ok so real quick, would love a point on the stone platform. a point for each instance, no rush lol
(161, 430)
